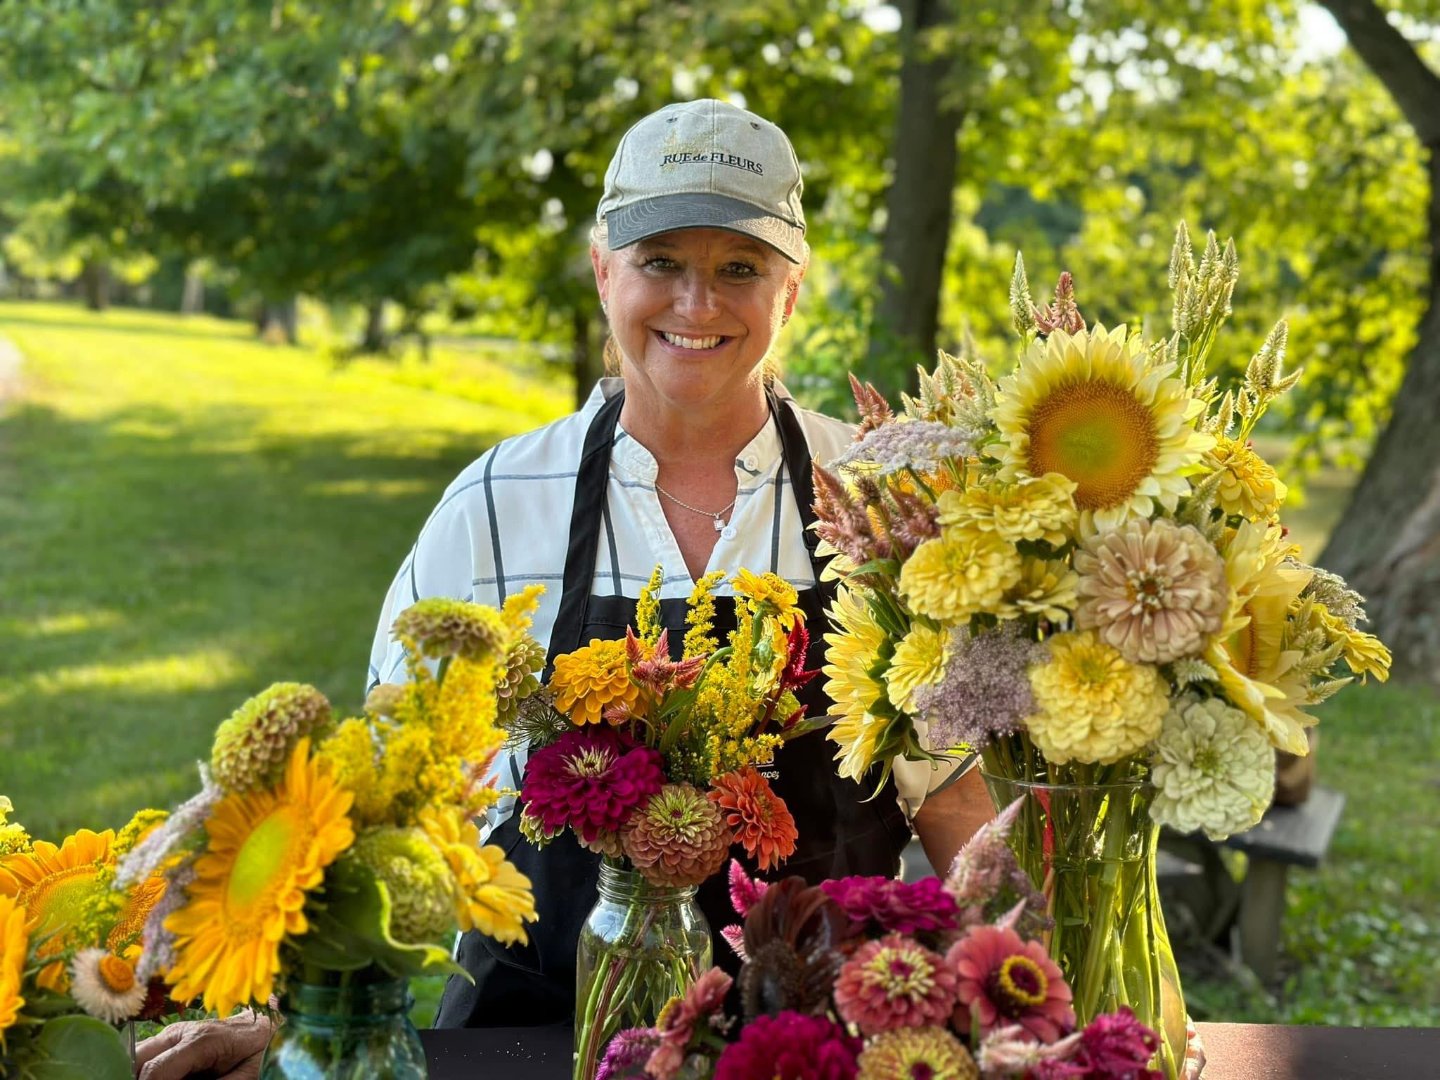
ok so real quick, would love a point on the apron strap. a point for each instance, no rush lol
(796, 452)
(592, 478)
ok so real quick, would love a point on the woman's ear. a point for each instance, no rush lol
(600, 262)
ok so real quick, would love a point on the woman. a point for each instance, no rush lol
(694, 459)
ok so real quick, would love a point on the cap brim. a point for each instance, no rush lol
(626, 225)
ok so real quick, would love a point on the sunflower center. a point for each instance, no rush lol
(116, 974)
(1097, 434)
(261, 860)
(59, 899)
(1021, 982)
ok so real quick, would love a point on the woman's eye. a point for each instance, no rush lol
(740, 270)
(659, 262)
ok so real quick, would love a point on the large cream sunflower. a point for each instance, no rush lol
(266, 850)
(850, 658)
(1091, 407)
(1256, 671)
(14, 942)
(58, 887)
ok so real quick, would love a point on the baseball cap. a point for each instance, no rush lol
(705, 164)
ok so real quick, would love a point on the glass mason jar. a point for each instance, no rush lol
(641, 945)
(346, 1026)
(1090, 849)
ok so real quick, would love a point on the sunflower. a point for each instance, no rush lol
(14, 943)
(851, 683)
(59, 887)
(1091, 407)
(267, 849)
(1256, 671)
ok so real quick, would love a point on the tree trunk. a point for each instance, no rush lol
(95, 284)
(192, 296)
(1387, 544)
(918, 205)
(375, 339)
(587, 360)
(278, 321)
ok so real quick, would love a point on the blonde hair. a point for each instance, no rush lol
(611, 354)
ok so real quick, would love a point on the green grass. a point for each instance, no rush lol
(190, 515)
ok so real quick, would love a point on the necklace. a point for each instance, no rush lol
(717, 518)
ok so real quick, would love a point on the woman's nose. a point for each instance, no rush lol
(697, 298)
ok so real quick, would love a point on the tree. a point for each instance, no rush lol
(1388, 542)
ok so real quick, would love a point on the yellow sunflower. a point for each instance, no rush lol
(266, 850)
(61, 889)
(14, 941)
(1091, 407)
(593, 679)
(850, 655)
(1092, 704)
(1256, 671)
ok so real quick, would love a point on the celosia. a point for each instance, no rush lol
(627, 1053)
(894, 983)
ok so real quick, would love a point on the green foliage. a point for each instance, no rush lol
(77, 1048)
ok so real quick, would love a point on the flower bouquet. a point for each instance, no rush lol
(333, 859)
(1079, 572)
(870, 978)
(652, 763)
(69, 946)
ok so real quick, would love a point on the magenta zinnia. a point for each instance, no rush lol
(894, 983)
(790, 1047)
(1117, 1044)
(590, 779)
(1006, 980)
(895, 906)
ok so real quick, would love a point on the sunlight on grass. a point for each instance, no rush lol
(174, 674)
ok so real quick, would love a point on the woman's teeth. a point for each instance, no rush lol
(691, 343)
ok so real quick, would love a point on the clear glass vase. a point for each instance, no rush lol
(345, 1026)
(1090, 848)
(641, 945)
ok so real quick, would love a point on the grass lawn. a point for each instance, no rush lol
(189, 516)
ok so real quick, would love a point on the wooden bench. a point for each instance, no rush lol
(1287, 836)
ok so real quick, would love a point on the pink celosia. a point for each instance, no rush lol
(627, 1053)
(592, 780)
(893, 983)
(1006, 980)
(790, 1046)
(895, 906)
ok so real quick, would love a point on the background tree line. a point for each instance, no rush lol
(445, 159)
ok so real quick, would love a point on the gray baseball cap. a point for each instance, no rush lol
(705, 164)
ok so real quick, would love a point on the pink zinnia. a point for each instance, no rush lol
(1116, 1046)
(1006, 980)
(895, 983)
(895, 906)
(790, 1046)
(590, 779)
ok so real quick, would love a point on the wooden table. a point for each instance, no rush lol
(1235, 1052)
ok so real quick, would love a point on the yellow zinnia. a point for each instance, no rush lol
(1249, 485)
(58, 887)
(1046, 588)
(1091, 704)
(960, 573)
(592, 679)
(919, 661)
(266, 850)
(14, 942)
(1091, 407)
(1026, 508)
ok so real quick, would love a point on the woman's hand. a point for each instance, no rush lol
(230, 1049)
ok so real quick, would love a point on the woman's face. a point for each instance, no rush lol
(694, 311)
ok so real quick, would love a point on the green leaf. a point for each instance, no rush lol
(350, 929)
(80, 1048)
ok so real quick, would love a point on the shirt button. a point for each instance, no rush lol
(750, 462)
(728, 532)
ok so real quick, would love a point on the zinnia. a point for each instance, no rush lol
(592, 680)
(759, 818)
(679, 1019)
(1006, 980)
(1213, 768)
(1117, 1045)
(592, 780)
(790, 1047)
(895, 906)
(928, 1053)
(1092, 704)
(678, 838)
(895, 983)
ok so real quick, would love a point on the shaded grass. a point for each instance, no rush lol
(189, 516)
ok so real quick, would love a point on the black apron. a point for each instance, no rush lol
(841, 832)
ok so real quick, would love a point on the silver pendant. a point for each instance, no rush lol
(718, 524)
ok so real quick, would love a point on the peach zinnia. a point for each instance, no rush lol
(759, 818)
(1005, 980)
